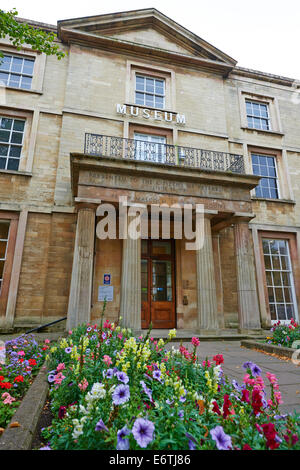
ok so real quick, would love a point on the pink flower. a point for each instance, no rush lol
(59, 378)
(8, 399)
(47, 341)
(21, 353)
(206, 363)
(60, 367)
(195, 341)
(83, 385)
(107, 360)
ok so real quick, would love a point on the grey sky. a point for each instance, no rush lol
(259, 34)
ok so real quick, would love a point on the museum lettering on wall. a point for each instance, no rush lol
(152, 114)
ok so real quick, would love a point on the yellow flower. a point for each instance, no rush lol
(172, 334)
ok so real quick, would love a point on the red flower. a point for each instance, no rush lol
(6, 385)
(270, 435)
(19, 378)
(216, 408)
(32, 362)
(256, 401)
(219, 359)
(1, 378)
(247, 447)
(226, 405)
(245, 396)
(61, 412)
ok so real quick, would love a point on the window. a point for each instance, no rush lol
(149, 91)
(16, 71)
(150, 147)
(11, 140)
(279, 276)
(4, 233)
(265, 166)
(258, 116)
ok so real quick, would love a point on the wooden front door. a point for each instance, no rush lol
(158, 284)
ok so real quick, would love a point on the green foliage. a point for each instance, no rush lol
(21, 33)
(285, 335)
(183, 400)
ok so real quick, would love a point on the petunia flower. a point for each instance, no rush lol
(222, 440)
(142, 431)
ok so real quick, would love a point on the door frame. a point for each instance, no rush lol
(149, 257)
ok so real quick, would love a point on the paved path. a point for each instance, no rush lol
(234, 357)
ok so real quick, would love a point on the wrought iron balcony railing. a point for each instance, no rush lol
(131, 149)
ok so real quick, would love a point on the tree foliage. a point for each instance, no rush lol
(21, 33)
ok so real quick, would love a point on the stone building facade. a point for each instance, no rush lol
(144, 110)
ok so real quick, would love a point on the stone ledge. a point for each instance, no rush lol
(270, 348)
(27, 415)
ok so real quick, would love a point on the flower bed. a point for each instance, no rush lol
(24, 357)
(110, 390)
(285, 335)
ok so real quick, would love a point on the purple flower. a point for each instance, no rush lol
(121, 394)
(181, 414)
(157, 374)
(45, 448)
(192, 441)
(100, 426)
(122, 377)
(236, 385)
(169, 402)
(123, 442)
(68, 350)
(247, 365)
(142, 431)
(146, 390)
(255, 370)
(109, 373)
(51, 378)
(222, 440)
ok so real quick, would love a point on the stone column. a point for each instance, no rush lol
(79, 309)
(206, 284)
(130, 305)
(249, 318)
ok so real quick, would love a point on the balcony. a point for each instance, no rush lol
(175, 155)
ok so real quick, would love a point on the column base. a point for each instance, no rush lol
(210, 332)
(248, 331)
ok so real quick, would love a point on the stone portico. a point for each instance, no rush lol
(226, 200)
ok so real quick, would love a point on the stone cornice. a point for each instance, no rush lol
(268, 77)
(72, 36)
(81, 161)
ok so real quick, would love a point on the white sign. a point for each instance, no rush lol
(154, 114)
(105, 292)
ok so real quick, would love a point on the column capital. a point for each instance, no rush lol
(243, 217)
(85, 206)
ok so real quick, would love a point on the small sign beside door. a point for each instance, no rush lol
(106, 279)
(105, 292)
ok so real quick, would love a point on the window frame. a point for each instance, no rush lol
(9, 144)
(20, 74)
(276, 178)
(273, 111)
(151, 71)
(38, 69)
(252, 116)
(145, 92)
(13, 219)
(294, 264)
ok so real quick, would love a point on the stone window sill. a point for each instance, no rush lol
(282, 201)
(39, 92)
(12, 172)
(262, 131)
